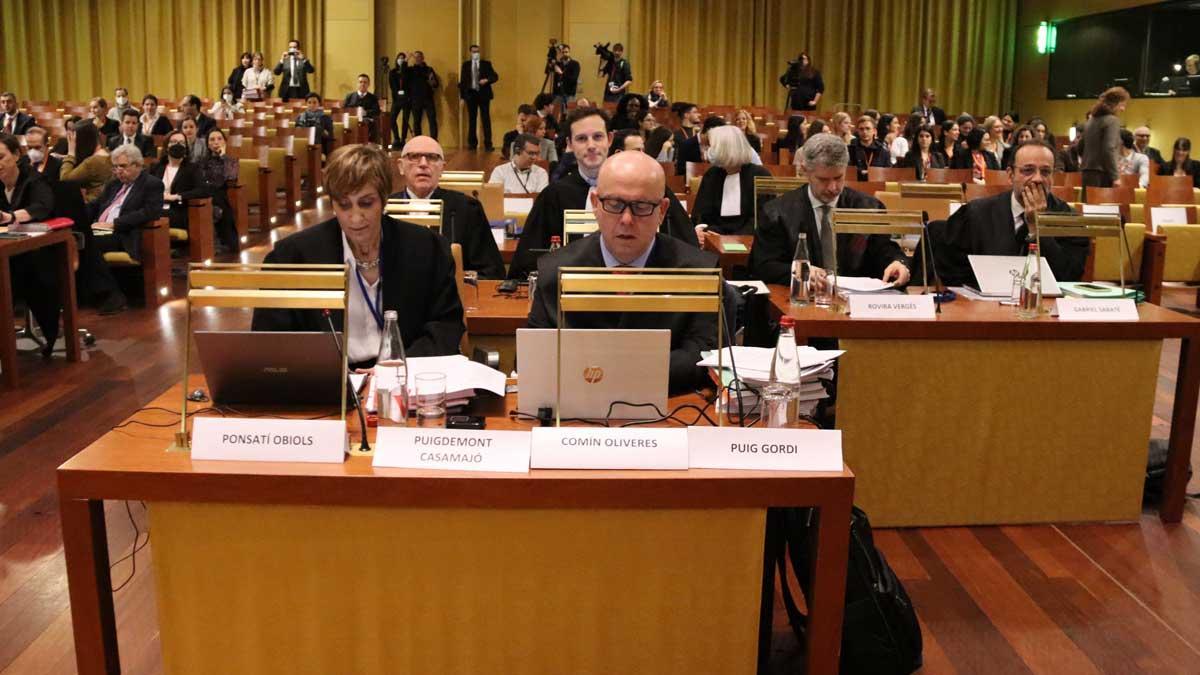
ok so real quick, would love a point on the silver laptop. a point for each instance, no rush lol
(599, 367)
(994, 275)
(267, 368)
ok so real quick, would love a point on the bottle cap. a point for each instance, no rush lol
(787, 322)
(555, 239)
(390, 314)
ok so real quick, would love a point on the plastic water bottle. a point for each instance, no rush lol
(391, 374)
(801, 271)
(781, 396)
(1030, 306)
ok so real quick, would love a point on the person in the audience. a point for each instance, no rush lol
(975, 158)
(626, 140)
(24, 197)
(909, 136)
(695, 148)
(524, 111)
(420, 84)
(217, 170)
(725, 199)
(630, 110)
(190, 107)
(130, 133)
(566, 78)
(99, 117)
(197, 146)
(804, 83)
(235, 76)
(315, 116)
(521, 175)
(293, 69)
(86, 163)
(1141, 143)
(809, 209)
(999, 225)
(535, 126)
(362, 99)
(1022, 135)
(966, 124)
(258, 81)
(1181, 163)
(463, 219)
(396, 266)
(619, 76)
(1041, 132)
(866, 150)
(1102, 139)
(630, 207)
(1133, 163)
(181, 179)
(994, 128)
(744, 121)
(890, 135)
(660, 142)
(922, 156)
(12, 120)
(121, 104)
(840, 125)
(475, 80)
(133, 201)
(588, 141)
(60, 145)
(400, 104)
(1009, 120)
(948, 145)
(926, 108)
(37, 150)
(544, 104)
(226, 106)
(153, 124)
(657, 98)
(689, 122)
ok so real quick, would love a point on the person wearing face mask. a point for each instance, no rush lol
(226, 106)
(588, 140)
(463, 219)
(394, 265)
(120, 104)
(235, 76)
(40, 159)
(130, 133)
(475, 88)
(522, 175)
(180, 178)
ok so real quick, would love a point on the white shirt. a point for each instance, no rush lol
(362, 343)
(610, 260)
(519, 182)
(168, 178)
(731, 195)
(260, 79)
(899, 148)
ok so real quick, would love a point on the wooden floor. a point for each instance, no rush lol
(1056, 599)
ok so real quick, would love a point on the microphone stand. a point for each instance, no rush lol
(939, 295)
(363, 445)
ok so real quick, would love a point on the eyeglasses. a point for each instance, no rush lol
(1029, 170)
(431, 157)
(617, 206)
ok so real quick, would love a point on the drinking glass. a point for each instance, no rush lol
(430, 393)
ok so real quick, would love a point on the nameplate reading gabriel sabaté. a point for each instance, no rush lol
(266, 440)
(576, 448)
(872, 306)
(452, 449)
(1097, 309)
(765, 449)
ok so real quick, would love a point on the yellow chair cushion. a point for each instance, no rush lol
(178, 234)
(1183, 252)
(120, 259)
(1110, 251)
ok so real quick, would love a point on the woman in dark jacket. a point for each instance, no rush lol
(1181, 163)
(804, 84)
(922, 155)
(947, 146)
(1021, 135)
(181, 179)
(975, 158)
(235, 77)
(1101, 150)
(217, 170)
(725, 198)
(33, 274)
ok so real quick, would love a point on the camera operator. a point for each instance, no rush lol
(804, 84)
(293, 62)
(619, 74)
(566, 78)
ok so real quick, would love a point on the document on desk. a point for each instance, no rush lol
(862, 284)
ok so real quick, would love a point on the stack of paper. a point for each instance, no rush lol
(464, 379)
(753, 365)
(848, 285)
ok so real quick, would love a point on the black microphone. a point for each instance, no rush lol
(940, 292)
(736, 382)
(362, 419)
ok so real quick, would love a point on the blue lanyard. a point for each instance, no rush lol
(377, 305)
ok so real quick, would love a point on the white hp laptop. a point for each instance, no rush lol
(599, 367)
(994, 275)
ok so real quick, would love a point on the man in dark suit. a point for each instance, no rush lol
(566, 79)
(400, 102)
(39, 155)
(998, 225)
(363, 98)
(933, 115)
(1141, 143)
(190, 107)
(630, 207)
(866, 150)
(421, 83)
(588, 141)
(693, 149)
(131, 134)
(293, 69)
(126, 205)
(12, 120)
(463, 219)
(810, 210)
(475, 81)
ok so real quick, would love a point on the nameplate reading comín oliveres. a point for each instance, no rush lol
(583, 448)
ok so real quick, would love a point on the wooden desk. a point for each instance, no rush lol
(494, 322)
(729, 259)
(348, 568)
(64, 243)
(981, 418)
(508, 250)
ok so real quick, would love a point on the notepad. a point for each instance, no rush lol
(734, 247)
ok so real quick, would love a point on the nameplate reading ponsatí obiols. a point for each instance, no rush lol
(765, 449)
(260, 440)
(452, 449)
(576, 448)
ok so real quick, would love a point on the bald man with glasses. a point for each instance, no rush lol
(630, 207)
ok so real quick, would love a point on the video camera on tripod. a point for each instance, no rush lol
(607, 58)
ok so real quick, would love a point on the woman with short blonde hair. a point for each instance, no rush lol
(725, 199)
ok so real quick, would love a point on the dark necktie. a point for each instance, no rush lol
(826, 237)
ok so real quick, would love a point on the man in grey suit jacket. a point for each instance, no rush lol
(630, 206)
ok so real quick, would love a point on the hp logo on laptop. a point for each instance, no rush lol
(593, 374)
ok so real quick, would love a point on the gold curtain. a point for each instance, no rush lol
(878, 53)
(77, 49)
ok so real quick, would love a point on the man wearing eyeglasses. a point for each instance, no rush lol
(999, 225)
(630, 208)
(588, 140)
(463, 219)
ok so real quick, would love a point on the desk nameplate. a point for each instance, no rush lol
(269, 440)
(452, 449)
(583, 448)
(1097, 309)
(892, 306)
(765, 449)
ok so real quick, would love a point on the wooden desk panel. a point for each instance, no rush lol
(64, 243)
